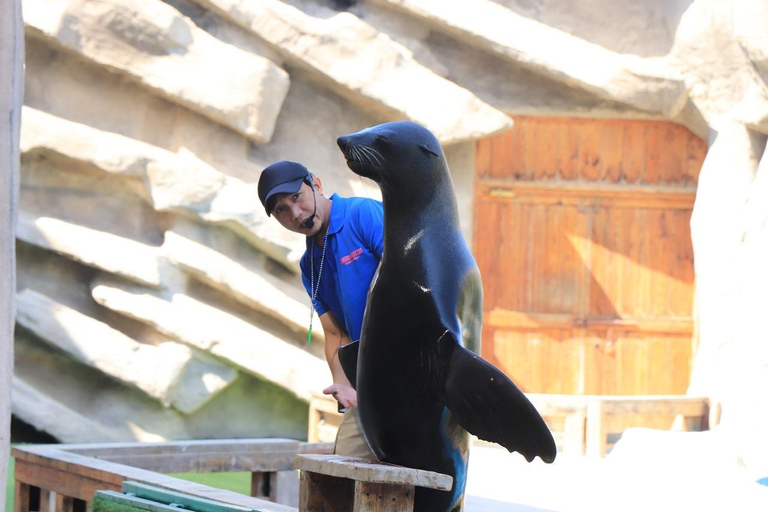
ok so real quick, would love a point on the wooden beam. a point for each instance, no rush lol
(197, 456)
(76, 475)
(372, 471)
(587, 195)
(501, 318)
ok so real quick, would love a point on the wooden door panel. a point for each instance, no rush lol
(583, 241)
(542, 361)
(542, 268)
(642, 272)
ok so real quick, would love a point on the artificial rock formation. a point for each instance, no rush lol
(645, 84)
(147, 124)
(371, 69)
(170, 181)
(151, 43)
(168, 372)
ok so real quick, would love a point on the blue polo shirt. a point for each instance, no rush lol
(354, 247)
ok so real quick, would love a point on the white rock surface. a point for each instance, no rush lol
(367, 67)
(647, 84)
(750, 17)
(221, 334)
(259, 291)
(729, 228)
(131, 415)
(168, 372)
(719, 75)
(105, 251)
(152, 43)
(48, 415)
(169, 181)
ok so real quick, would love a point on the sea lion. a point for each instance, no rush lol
(420, 381)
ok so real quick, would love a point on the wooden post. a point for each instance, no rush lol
(64, 503)
(349, 484)
(22, 497)
(264, 485)
(596, 435)
(371, 497)
(574, 431)
(319, 493)
(45, 501)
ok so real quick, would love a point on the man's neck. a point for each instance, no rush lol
(320, 236)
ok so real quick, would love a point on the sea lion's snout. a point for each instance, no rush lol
(362, 158)
(343, 143)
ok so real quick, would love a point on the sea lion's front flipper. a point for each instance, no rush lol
(488, 404)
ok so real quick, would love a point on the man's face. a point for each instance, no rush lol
(293, 210)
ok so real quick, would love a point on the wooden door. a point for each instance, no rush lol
(582, 237)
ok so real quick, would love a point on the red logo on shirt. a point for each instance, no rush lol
(349, 258)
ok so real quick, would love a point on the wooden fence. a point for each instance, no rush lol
(65, 477)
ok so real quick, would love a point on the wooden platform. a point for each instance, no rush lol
(339, 483)
(67, 478)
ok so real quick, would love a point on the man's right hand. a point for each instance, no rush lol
(343, 393)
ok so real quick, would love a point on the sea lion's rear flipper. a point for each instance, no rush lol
(488, 404)
(348, 360)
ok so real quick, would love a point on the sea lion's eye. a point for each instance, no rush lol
(383, 138)
(427, 149)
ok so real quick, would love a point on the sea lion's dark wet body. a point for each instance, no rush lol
(417, 383)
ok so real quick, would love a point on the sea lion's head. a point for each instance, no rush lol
(400, 155)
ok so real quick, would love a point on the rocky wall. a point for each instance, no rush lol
(138, 208)
(147, 267)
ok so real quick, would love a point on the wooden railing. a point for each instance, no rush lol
(581, 424)
(65, 477)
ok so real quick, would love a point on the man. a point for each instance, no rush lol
(344, 246)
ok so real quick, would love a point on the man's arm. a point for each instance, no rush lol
(335, 337)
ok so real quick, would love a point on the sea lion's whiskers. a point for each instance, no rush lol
(366, 154)
(366, 158)
(375, 155)
(375, 152)
(366, 182)
(354, 153)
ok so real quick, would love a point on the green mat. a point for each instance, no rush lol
(239, 482)
(137, 496)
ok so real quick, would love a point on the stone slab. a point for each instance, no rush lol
(105, 251)
(168, 372)
(649, 84)
(47, 415)
(152, 43)
(256, 290)
(366, 66)
(178, 182)
(221, 334)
